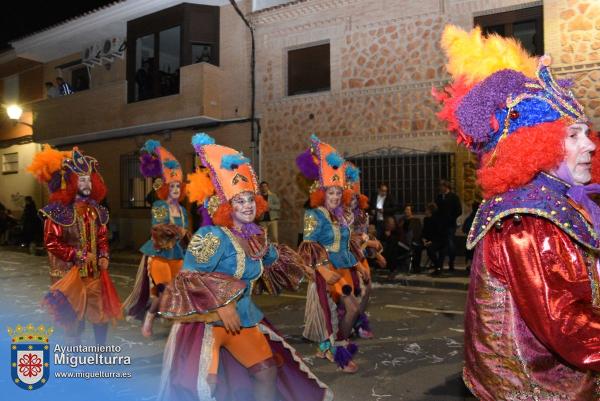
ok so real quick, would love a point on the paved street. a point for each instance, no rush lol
(416, 355)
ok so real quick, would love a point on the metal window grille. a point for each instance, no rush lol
(134, 187)
(412, 176)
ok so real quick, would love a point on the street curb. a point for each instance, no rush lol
(415, 281)
(409, 282)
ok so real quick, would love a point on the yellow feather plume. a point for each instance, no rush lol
(199, 187)
(476, 57)
(47, 162)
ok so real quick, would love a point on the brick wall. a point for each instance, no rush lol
(385, 58)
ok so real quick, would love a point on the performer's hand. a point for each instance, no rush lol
(230, 318)
(103, 263)
(364, 273)
(330, 276)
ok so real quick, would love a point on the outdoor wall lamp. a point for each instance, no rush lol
(14, 113)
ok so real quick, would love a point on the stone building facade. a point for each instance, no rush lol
(385, 58)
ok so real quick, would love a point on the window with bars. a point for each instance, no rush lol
(412, 176)
(135, 188)
(10, 163)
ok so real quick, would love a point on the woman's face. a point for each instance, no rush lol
(244, 208)
(390, 223)
(333, 197)
(174, 190)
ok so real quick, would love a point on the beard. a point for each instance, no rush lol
(85, 192)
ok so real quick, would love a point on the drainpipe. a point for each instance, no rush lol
(254, 136)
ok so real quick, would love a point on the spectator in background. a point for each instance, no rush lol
(4, 223)
(433, 236)
(51, 90)
(143, 79)
(63, 87)
(395, 251)
(270, 218)
(411, 231)
(151, 196)
(382, 206)
(465, 229)
(449, 209)
(32, 224)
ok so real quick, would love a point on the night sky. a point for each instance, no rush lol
(21, 18)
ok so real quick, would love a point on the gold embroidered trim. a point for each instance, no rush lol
(310, 224)
(240, 255)
(337, 235)
(159, 213)
(204, 247)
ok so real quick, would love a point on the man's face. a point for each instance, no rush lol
(174, 190)
(383, 190)
(84, 185)
(578, 153)
(408, 211)
(333, 197)
(354, 202)
(264, 189)
(244, 208)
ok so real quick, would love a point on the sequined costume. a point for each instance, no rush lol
(326, 248)
(222, 266)
(76, 238)
(532, 328)
(163, 252)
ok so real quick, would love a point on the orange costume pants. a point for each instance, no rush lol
(249, 347)
(163, 271)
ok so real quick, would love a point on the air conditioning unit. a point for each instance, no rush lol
(112, 48)
(91, 55)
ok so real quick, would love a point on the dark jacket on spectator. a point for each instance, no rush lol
(449, 208)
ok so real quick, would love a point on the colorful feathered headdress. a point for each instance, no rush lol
(157, 162)
(498, 88)
(53, 167)
(60, 171)
(225, 173)
(505, 106)
(323, 164)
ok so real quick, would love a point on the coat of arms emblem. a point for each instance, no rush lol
(30, 355)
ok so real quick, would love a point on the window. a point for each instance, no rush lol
(80, 79)
(412, 176)
(201, 53)
(164, 42)
(526, 25)
(134, 186)
(309, 70)
(10, 163)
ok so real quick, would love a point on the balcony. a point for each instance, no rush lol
(103, 112)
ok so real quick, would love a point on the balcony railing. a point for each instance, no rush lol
(104, 111)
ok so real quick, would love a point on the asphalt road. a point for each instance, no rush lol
(415, 356)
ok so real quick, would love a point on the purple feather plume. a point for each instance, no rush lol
(307, 166)
(58, 307)
(343, 355)
(478, 106)
(150, 166)
(205, 216)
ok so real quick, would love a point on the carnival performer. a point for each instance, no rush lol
(76, 238)
(163, 253)
(532, 328)
(220, 339)
(332, 304)
(356, 206)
